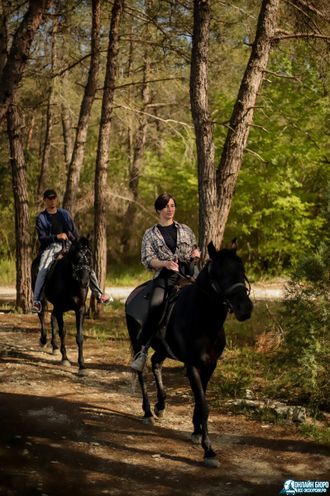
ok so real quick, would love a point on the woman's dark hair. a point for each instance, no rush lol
(163, 200)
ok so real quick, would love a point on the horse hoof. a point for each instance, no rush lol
(211, 463)
(159, 413)
(65, 363)
(148, 420)
(83, 372)
(196, 438)
(55, 351)
(42, 343)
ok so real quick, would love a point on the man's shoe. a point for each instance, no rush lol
(36, 307)
(139, 361)
(105, 299)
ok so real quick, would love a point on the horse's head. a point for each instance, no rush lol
(227, 278)
(81, 261)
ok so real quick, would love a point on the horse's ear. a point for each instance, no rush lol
(84, 241)
(212, 250)
(234, 244)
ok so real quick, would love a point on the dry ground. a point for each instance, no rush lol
(62, 434)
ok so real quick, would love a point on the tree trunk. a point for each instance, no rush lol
(101, 171)
(3, 36)
(242, 116)
(203, 125)
(66, 126)
(22, 223)
(85, 110)
(19, 53)
(44, 167)
(216, 188)
(137, 162)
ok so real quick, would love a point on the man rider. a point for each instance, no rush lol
(54, 228)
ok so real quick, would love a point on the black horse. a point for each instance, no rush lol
(194, 333)
(66, 287)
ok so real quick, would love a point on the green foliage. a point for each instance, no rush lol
(279, 209)
(306, 322)
(7, 271)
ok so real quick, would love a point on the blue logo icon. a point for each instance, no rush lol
(292, 487)
(288, 487)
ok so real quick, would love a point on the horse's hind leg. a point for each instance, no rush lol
(43, 331)
(53, 329)
(62, 333)
(201, 413)
(157, 363)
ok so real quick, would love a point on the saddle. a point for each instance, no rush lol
(137, 307)
(35, 266)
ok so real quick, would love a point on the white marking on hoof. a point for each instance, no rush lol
(83, 372)
(159, 413)
(148, 420)
(65, 363)
(196, 438)
(56, 352)
(211, 463)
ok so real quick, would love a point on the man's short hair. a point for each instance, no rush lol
(50, 193)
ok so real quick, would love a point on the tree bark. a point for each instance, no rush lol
(67, 127)
(216, 187)
(19, 53)
(3, 36)
(137, 162)
(242, 116)
(203, 125)
(77, 159)
(102, 159)
(44, 167)
(22, 223)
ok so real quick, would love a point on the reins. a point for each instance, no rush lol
(84, 264)
(218, 291)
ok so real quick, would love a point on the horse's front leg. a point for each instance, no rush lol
(43, 331)
(62, 333)
(201, 413)
(53, 329)
(148, 417)
(80, 314)
(157, 363)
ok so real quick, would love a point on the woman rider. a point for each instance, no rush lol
(165, 247)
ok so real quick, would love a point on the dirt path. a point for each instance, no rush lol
(62, 434)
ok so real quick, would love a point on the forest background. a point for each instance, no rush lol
(281, 200)
(112, 103)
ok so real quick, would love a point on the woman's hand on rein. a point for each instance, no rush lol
(171, 265)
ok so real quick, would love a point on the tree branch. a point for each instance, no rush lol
(285, 35)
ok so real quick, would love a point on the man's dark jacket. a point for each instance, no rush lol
(44, 228)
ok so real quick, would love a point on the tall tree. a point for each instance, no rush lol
(242, 115)
(45, 157)
(19, 52)
(85, 110)
(22, 219)
(102, 159)
(216, 187)
(137, 145)
(203, 125)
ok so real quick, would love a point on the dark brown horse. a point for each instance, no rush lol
(194, 333)
(66, 288)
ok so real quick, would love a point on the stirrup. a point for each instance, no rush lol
(139, 361)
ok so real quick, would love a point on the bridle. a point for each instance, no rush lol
(84, 263)
(225, 294)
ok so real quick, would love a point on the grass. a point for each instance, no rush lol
(7, 272)
(118, 275)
